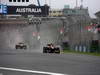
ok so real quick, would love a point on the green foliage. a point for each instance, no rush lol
(65, 46)
(85, 53)
(94, 47)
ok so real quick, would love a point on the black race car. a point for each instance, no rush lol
(50, 48)
(21, 46)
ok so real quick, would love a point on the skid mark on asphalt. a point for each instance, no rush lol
(30, 71)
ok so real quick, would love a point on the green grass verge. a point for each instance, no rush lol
(87, 53)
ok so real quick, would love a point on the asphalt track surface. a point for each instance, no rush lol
(48, 64)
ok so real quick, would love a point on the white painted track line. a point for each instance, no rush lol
(30, 71)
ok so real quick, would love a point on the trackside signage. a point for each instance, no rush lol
(27, 10)
(3, 9)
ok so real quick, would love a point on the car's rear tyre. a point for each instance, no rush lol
(57, 50)
(44, 49)
(17, 47)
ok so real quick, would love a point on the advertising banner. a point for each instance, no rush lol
(3, 9)
(25, 10)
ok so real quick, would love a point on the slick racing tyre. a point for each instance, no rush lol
(44, 49)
